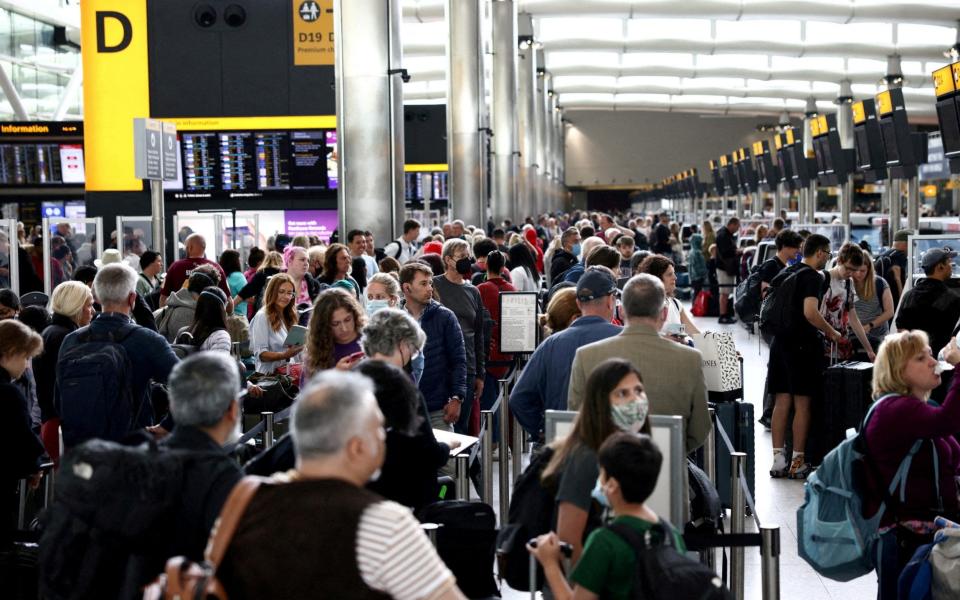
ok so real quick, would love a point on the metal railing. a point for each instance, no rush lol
(768, 538)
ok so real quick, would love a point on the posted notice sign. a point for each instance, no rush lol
(312, 32)
(518, 322)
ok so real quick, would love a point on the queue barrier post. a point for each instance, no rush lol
(708, 556)
(504, 444)
(486, 455)
(770, 561)
(737, 510)
(431, 530)
(462, 470)
(516, 457)
(267, 430)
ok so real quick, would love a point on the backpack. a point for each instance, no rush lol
(399, 249)
(184, 345)
(746, 297)
(530, 515)
(705, 509)
(777, 308)
(833, 536)
(662, 572)
(95, 383)
(882, 265)
(113, 510)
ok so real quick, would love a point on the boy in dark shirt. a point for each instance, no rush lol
(796, 359)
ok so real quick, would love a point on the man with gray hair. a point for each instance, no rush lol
(85, 388)
(672, 373)
(454, 290)
(204, 394)
(321, 530)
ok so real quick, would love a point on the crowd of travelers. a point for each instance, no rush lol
(377, 353)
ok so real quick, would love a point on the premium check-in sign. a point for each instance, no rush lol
(312, 32)
(170, 151)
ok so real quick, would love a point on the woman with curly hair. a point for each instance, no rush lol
(268, 330)
(333, 336)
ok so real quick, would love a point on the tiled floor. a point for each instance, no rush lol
(777, 502)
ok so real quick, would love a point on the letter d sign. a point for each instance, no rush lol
(124, 22)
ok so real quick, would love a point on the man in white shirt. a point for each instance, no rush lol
(326, 532)
(357, 242)
(404, 248)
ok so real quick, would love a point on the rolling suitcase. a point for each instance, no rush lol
(847, 395)
(736, 418)
(466, 542)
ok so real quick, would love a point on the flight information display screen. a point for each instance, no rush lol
(414, 186)
(241, 163)
(40, 165)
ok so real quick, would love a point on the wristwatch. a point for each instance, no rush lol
(457, 398)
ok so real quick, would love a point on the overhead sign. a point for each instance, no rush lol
(169, 151)
(859, 115)
(943, 82)
(147, 148)
(116, 89)
(313, 32)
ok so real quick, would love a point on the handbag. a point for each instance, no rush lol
(183, 578)
(721, 367)
(279, 392)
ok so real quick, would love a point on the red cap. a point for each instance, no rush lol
(433, 247)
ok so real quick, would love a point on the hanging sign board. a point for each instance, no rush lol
(147, 144)
(312, 32)
(518, 322)
(170, 152)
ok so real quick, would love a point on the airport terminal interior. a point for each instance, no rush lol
(445, 299)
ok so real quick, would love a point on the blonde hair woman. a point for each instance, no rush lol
(901, 424)
(874, 303)
(561, 311)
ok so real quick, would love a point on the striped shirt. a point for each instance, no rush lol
(395, 557)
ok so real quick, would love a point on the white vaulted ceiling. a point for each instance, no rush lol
(728, 56)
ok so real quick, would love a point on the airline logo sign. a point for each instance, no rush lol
(313, 32)
(884, 103)
(943, 82)
(859, 115)
(116, 89)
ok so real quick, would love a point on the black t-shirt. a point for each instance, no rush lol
(770, 269)
(809, 285)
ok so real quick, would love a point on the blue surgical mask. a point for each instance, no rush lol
(598, 495)
(576, 249)
(375, 305)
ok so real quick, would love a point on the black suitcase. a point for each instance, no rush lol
(466, 541)
(736, 418)
(847, 395)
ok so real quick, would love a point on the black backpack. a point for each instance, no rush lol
(663, 573)
(746, 298)
(95, 381)
(114, 508)
(777, 308)
(705, 508)
(883, 265)
(530, 515)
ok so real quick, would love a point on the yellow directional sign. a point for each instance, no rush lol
(884, 103)
(822, 123)
(859, 115)
(815, 127)
(943, 82)
(312, 32)
(790, 138)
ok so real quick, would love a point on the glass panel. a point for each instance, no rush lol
(562, 82)
(663, 59)
(763, 30)
(586, 98)
(8, 236)
(822, 32)
(913, 34)
(638, 81)
(812, 63)
(732, 61)
(137, 237)
(582, 59)
(699, 99)
(863, 65)
(643, 98)
(699, 83)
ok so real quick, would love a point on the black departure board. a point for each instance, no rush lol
(261, 162)
(414, 186)
(30, 165)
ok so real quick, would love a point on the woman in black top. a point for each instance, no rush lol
(19, 445)
(72, 306)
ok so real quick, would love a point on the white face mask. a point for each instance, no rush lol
(630, 416)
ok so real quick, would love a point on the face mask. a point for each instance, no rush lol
(576, 249)
(375, 305)
(598, 495)
(463, 266)
(630, 416)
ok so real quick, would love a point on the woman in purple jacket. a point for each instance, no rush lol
(905, 372)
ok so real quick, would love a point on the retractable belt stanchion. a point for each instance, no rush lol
(463, 476)
(504, 468)
(516, 458)
(49, 484)
(267, 430)
(708, 556)
(486, 456)
(770, 561)
(737, 510)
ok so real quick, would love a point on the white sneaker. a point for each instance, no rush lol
(780, 466)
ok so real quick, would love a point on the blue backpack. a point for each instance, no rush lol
(832, 534)
(94, 380)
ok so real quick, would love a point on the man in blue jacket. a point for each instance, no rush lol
(544, 381)
(444, 379)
